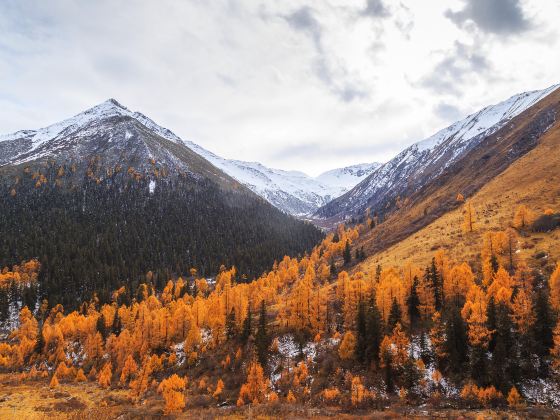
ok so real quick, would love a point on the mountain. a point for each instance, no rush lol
(293, 192)
(108, 195)
(347, 177)
(521, 141)
(426, 160)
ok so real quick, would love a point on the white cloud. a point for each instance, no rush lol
(243, 80)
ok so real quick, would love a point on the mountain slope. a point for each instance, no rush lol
(533, 181)
(107, 195)
(469, 174)
(426, 160)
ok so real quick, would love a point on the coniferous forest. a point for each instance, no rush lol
(98, 235)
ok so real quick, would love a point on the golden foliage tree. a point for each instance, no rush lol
(523, 217)
(130, 368)
(172, 390)
(255, 389)
(104, 378)
(347, 346)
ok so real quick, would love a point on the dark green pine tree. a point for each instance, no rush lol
(374, 332)
(336, 238)
(491, 321)
(544, 324)
(435, 279)
(40, 342)
(388, 372)
(347, 254)
(412, 303)
(333, 268)
(247, 326)
(101, 327)
(361, 333)
(425, 352)
(262, 339)
(395, 316)
(456, 342)
(411, 376)
(504, 367)
(231, 327)
(117, 324)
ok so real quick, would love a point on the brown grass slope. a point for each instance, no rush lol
(533, 180)
(476, 169)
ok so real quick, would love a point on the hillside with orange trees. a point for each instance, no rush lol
(306, 335)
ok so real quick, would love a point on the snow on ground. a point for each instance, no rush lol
(546, 392)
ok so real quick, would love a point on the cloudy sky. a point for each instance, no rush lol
(307, 85)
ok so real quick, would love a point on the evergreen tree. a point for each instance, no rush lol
(347, 254)
(262, 338)
(504, 362)
(333, 268)
(40, 342)
(101, 327)
(395, 316)
(361, 333)
(336, 238)
(543, 328)
(425, 352)
(231, 328)
(374, 332)
(491, 322)
(456, 340)
(437, 284)
(247, 325)
(412, 303)
(411, 375)
(117, 323)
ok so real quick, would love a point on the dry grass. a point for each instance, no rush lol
(533, 180)
(34, 400)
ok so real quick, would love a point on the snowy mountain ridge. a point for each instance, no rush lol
(291, 191)
(428, 158)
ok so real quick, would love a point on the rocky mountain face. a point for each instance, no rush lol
(416, 166)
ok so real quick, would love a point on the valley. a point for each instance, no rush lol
(145, 276)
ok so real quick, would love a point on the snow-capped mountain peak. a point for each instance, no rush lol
(292, 191)
(428, 158)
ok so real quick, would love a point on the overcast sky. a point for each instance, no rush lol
(307, 85)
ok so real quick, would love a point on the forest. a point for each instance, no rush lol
(313, 331)
(98, 230)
